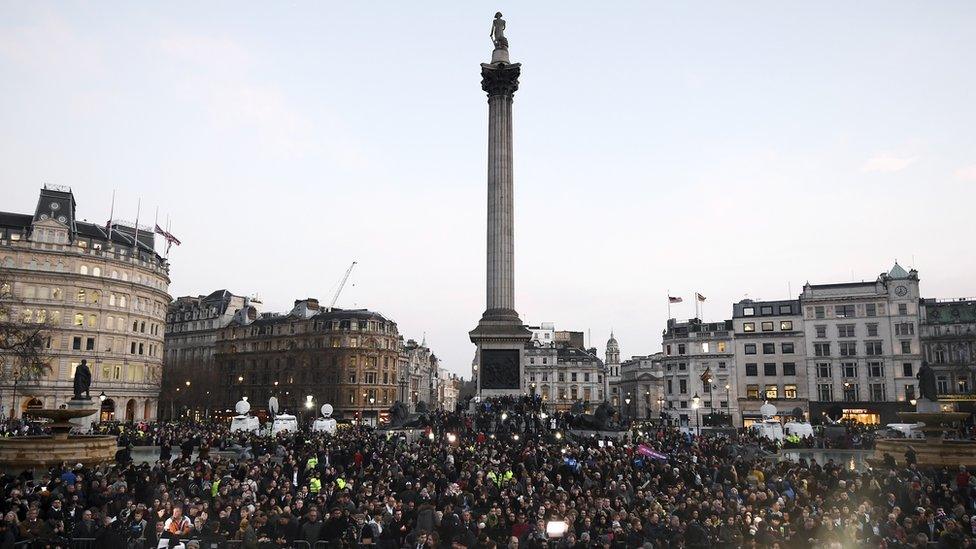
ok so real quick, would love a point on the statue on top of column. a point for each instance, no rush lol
(498, 32)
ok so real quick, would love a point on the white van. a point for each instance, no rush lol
(284, 422)
(769, 429)
(249, 424)
(801, 429)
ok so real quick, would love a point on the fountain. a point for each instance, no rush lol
(61, 446)
(934, 450)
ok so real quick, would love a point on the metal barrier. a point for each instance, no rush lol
(82, 543)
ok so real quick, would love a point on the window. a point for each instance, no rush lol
(769, 348)
(704, 346)
(849, 369)
(80, 297)
(902, 309)
(749, 348)
(749, 327)
(667, 350)
(785, 309)
(821, 331)
(789, 368)
(906, 369)
(821, 349)
(845, 330)
(561, 376)
(682, 366)
(749, 311)
(721, 348)
(586, 376)
(721, 365)
(818, 312)
(871, 309)
(789, 391)
(769, 368)
(878, 392)
(825, 392)
(786, 326)
(872, 348)
(752, 369)
(572, 376)
(76, 343)
(681, 348)
(90, 344)
(752, 392)
(823, 369)
(92, 321)
(132, 348)
(906, 347)
(851, 392)
(940, 356)
(909, 392)
(905, 328)
(872, 330)
(787, 348)
(772, 392)
(844, 311)
(876, 369)
(683, 386)
(848, 348)
(84, 268)
(766, 310)
(767, 326)
(942, 385)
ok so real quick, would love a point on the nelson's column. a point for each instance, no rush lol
(500, 335)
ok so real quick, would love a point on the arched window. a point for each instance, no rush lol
(115, 274)
(28, 315)
(125, 276)
(81, 295)
(56, 293)
(96, 271)
(111, 300)
(96, 296)
(83, 269)
(122, 301)
(79, 319)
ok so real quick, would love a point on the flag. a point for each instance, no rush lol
(169, 237)
(646, 450)
(699, 297)
(674, 299)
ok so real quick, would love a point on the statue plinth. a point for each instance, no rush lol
(83, 423)
(500, 55)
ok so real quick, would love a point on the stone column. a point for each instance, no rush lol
(500, 80)
(500, 335)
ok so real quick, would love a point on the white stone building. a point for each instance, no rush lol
(697, 357)
(641, 382)
(862, 346)
(770, 358)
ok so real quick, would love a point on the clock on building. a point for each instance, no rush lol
(901, 291)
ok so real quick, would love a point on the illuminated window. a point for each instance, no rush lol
(705, 347)
(749, 327)
(772, 392)
(80, 298)
(84, 268)
(79, 319)
(786, 325)
(789, 391)
(721, 348)
(752, 392)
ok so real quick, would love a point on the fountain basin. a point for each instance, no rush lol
(44, 451)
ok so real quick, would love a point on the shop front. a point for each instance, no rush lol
(864, 413)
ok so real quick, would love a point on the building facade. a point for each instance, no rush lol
(948, 336)
(640, 386)
(611, 379)
(560, 370)
(191, 330)
(699, 371)
(418, 375)
(101, 291)
(862, 346)
(347, 358)
(769, 357)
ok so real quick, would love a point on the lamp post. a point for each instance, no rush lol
(627, 403)
(309, 404)
(660, 407)
(13, 400)
(728, 402)
(695, 404)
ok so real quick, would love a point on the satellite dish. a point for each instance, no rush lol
(767, 410)
(242, 407)
(273, 405)
(326, 410)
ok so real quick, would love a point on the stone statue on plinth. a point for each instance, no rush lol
(498, 32)
(927, 389)
(82, 381)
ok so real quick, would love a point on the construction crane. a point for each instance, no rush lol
(341, 285)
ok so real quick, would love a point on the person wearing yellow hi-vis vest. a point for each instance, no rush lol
(315, 485)
(311, 463)
(500, 479)
(215, 487)
(341, 483)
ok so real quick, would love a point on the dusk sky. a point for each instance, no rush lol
(737, 149)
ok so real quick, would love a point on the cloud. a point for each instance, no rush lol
(887, 163)
(967, 173)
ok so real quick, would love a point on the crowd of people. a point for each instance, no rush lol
(480, 481)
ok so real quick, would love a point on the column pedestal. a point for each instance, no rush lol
(82, 424)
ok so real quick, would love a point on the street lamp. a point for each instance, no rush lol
(627, 403)
(102, 396)
(695, 403)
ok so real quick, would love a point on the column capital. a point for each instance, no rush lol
(500, 78)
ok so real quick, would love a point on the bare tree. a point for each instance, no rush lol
(23, 353)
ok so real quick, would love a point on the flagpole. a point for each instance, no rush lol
(111, 215)
(136, 239)
(669, 304)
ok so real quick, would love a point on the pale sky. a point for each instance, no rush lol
(733, 148)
